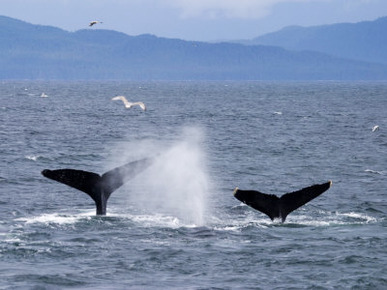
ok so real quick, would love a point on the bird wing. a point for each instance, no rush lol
(141, 104)
(118, 98)
(124, 100)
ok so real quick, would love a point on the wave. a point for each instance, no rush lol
(56, 218)
(357, 218)
(375, 172)
(157, 220)
(32, 157)
(318, 219)
(237, 223)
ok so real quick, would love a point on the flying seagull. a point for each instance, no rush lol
(375, 128)
(94, 22)
(128, 104)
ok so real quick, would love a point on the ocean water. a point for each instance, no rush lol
(177, 225)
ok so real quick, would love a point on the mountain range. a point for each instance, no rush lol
(365, 41)
(34, 52)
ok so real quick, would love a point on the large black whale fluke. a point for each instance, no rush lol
(99, 188)
(279, 207)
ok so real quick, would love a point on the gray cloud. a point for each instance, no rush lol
(230, 8)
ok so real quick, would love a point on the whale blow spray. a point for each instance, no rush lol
(177, 183)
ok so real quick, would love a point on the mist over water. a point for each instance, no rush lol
(177, 183)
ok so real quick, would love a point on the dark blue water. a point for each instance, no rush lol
(177, 225)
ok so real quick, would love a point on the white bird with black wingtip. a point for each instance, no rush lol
(94, 22)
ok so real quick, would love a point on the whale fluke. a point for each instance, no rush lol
(279, 207)
(99, 188)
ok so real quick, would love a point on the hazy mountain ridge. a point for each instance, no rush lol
(41, 52)
(366, 41)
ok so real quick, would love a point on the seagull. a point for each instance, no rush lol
(43, 95)
(94, 22)
(375, 128)
(128, 104)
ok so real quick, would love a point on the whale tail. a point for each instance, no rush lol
(98, 187)
(279, 207)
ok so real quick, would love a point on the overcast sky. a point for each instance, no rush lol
(205, 20)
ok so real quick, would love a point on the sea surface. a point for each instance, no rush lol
(176, 225)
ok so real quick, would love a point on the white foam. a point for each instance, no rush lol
(301, 218)
(157, 220)
(56, 218)
(359, 218)
(32, 157)
(375, 171)
(237, 224)
(331, 219)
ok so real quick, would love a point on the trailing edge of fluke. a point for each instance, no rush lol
(98, 187)
(279, 207)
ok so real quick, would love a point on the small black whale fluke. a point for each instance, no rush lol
(98, 187)
(280, 207)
